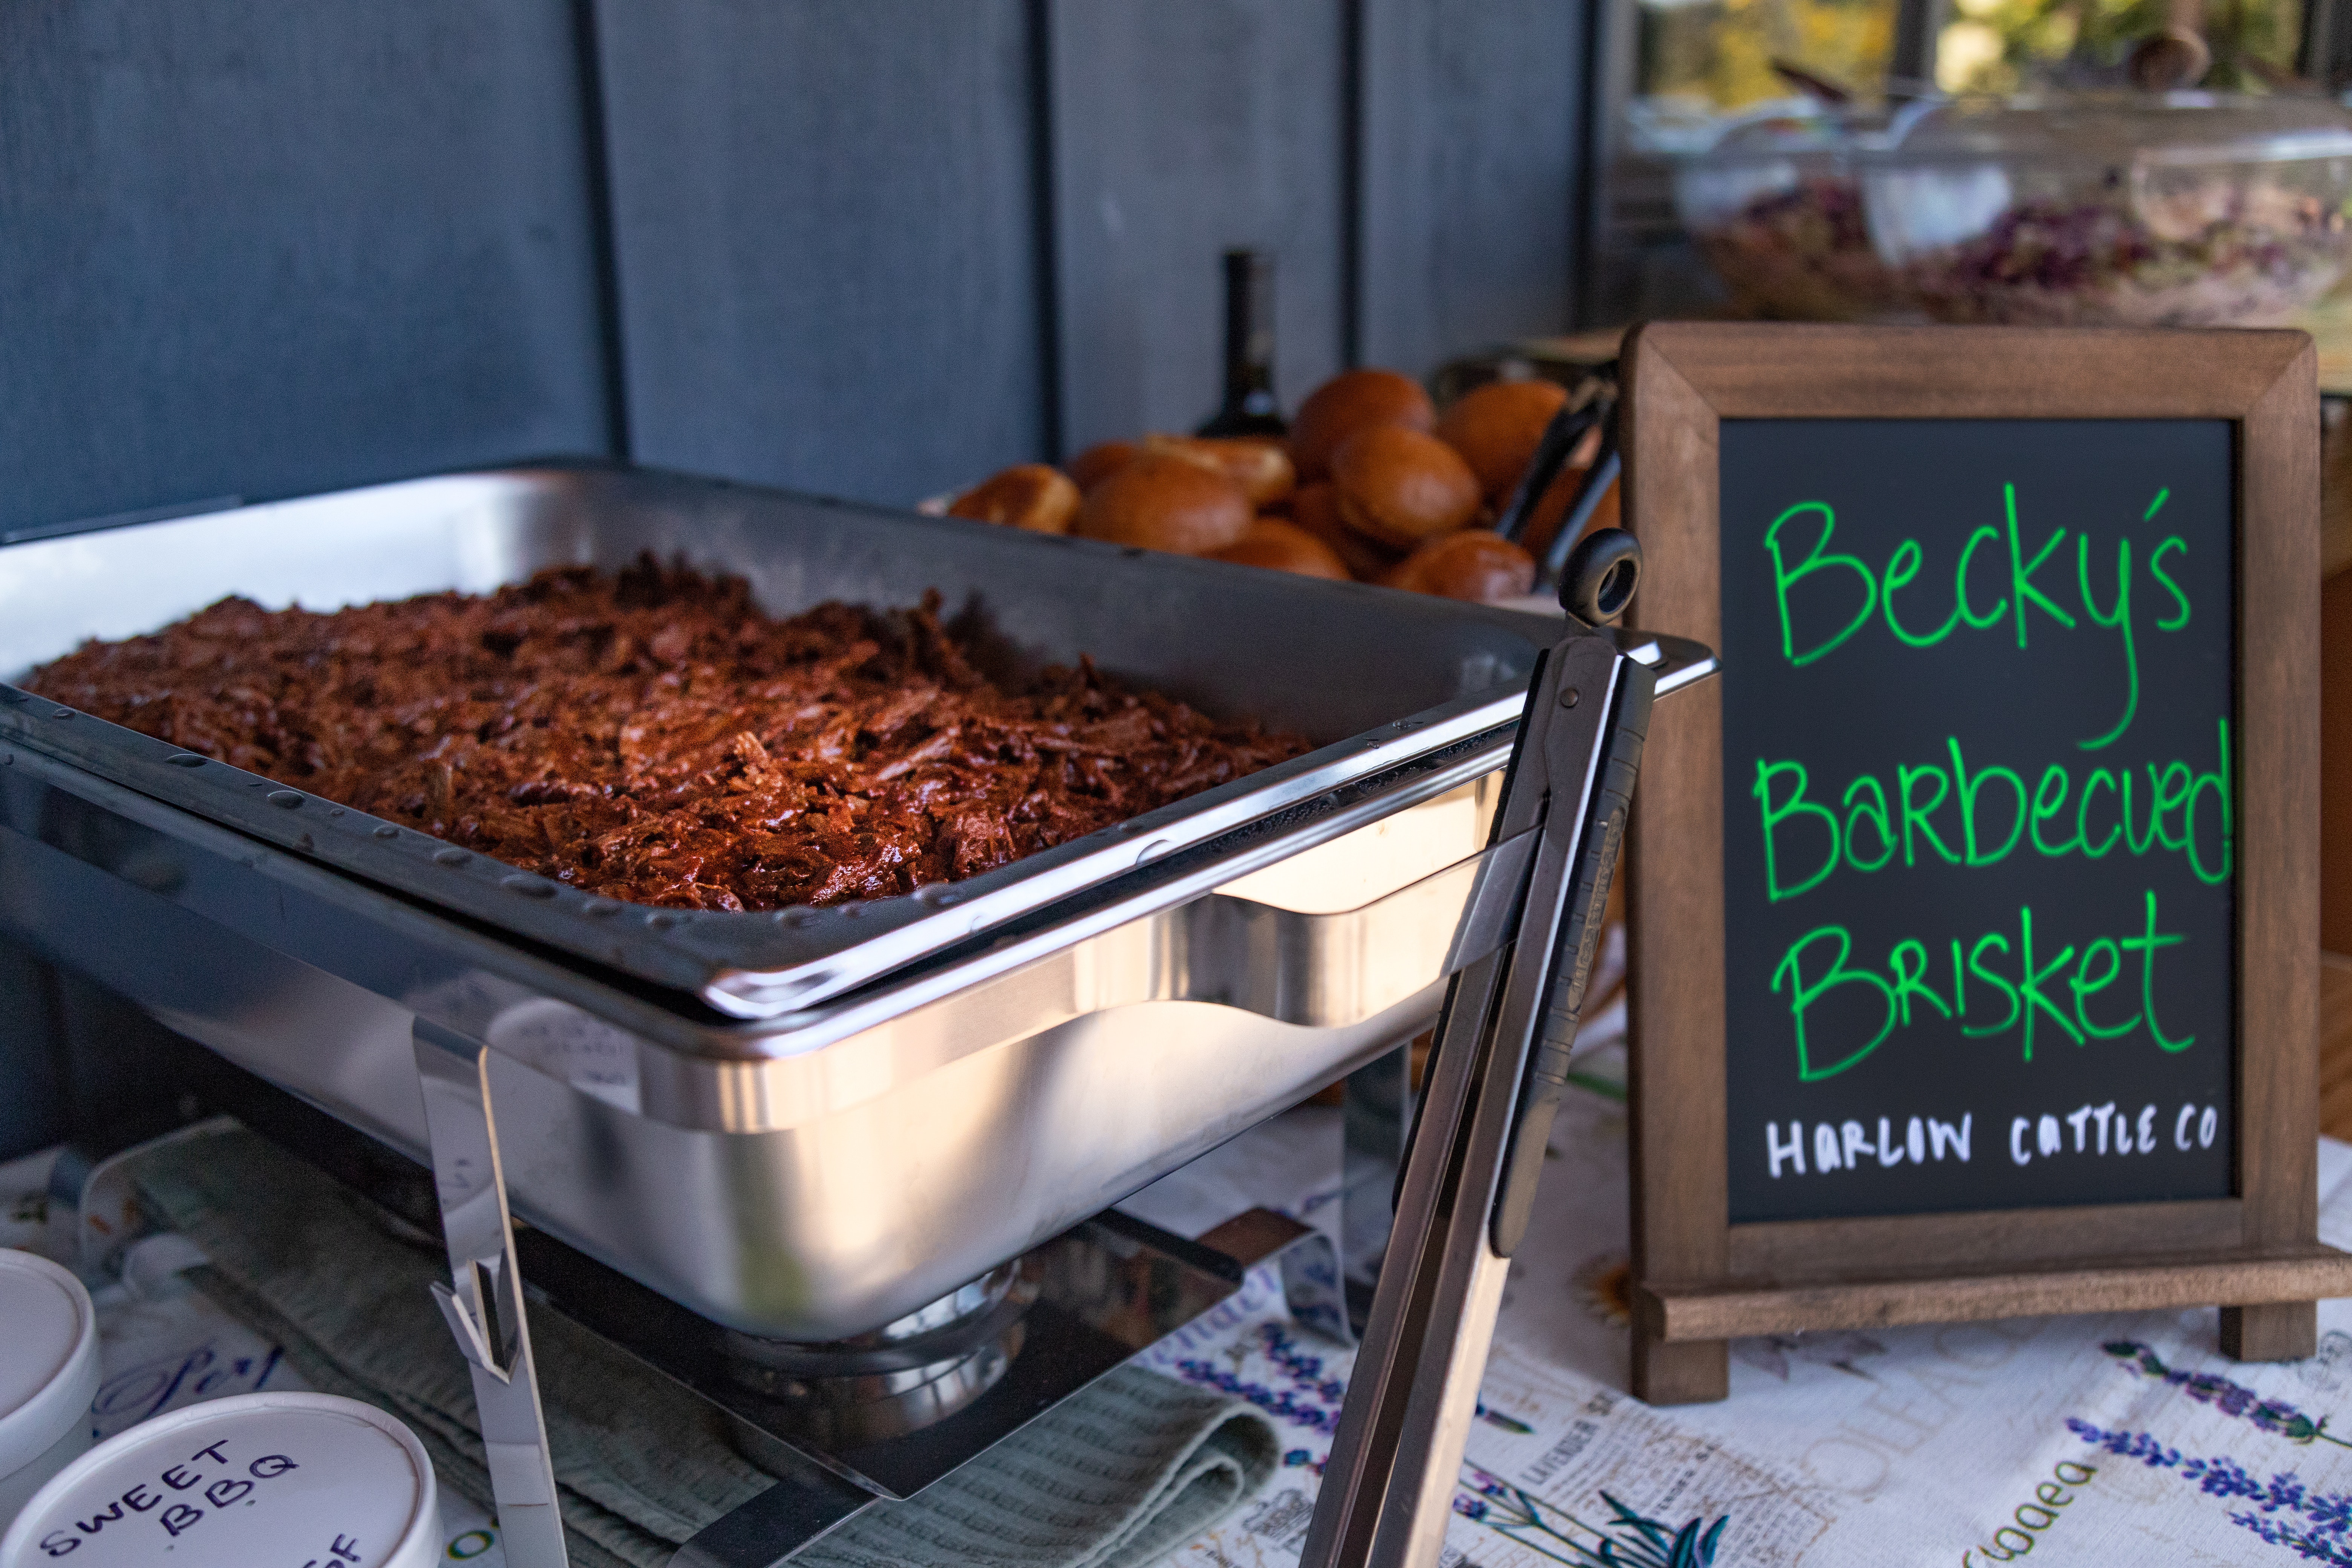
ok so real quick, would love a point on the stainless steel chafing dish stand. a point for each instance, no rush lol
(838, 1429)
(817, 1139)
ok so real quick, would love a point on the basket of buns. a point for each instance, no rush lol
(1371, 484)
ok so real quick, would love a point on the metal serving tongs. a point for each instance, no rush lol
(1589, 414)
(1476, 1151)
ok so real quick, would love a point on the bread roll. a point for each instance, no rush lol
(1472, 564)
(1159, 502)
(1285, 547)
(1028, 495)
(1315, 510)
(1100, 462)
(1400, 487)
(1261, 468)
(1352, 401)
(1496, 428)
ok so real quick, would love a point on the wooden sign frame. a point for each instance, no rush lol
(1698, 1279)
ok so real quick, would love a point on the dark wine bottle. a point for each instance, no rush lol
(1249, 407)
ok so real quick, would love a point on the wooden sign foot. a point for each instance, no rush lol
(2280, 1331)
(1685, 1372)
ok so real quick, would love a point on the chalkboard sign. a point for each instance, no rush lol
(1978, 943)
(1974, 910)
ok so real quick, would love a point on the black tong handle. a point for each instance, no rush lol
(1580, 938)
(1594, 399)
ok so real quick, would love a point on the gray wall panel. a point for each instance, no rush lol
(1472, 121)
(827, 239)
(257, 246)
(1181, 129)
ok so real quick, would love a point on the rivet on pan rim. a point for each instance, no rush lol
(450, 857)
(61, 713)
(285, 799)
(602, 908)
(528, 886)
(186, 760)
(387, 830)
(665, 922)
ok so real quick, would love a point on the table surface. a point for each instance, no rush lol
(2120, 1437)
(2109, 1438)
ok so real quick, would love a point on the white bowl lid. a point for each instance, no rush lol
(49, 1374)
(261, 1478)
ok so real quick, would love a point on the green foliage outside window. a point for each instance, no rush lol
(1717, 55)
(2006, 46)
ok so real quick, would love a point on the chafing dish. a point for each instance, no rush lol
(801, 1128)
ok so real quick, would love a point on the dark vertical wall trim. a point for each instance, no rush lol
(2325, 53)
(1610, 62)
(1351, 181)
(1918, 24)
(1599, 94)
(597, 165)
(1041, 194)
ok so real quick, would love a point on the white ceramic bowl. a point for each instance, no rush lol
(49, 1375)
(235, 1483)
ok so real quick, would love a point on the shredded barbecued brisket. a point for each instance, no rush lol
(654, 737)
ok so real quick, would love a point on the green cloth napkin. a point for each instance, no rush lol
(1116, 1478)
(1111, 1479)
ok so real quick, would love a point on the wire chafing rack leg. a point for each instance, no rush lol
(1148, 1283)
(485, 1308)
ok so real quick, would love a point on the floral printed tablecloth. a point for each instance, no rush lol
(2117, 1439)
(2121, 1439)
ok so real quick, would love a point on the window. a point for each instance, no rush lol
(1707, 57)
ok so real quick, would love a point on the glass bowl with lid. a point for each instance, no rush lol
(2121, 209)
(1775, 205)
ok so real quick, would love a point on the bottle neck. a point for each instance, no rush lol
(1248, 407)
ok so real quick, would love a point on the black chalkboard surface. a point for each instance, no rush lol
(1977, 795)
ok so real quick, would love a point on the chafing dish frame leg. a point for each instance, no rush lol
(484, 1308)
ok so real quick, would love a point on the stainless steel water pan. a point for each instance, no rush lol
(815, 1171)
(1377, 677)
(799, 1191)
